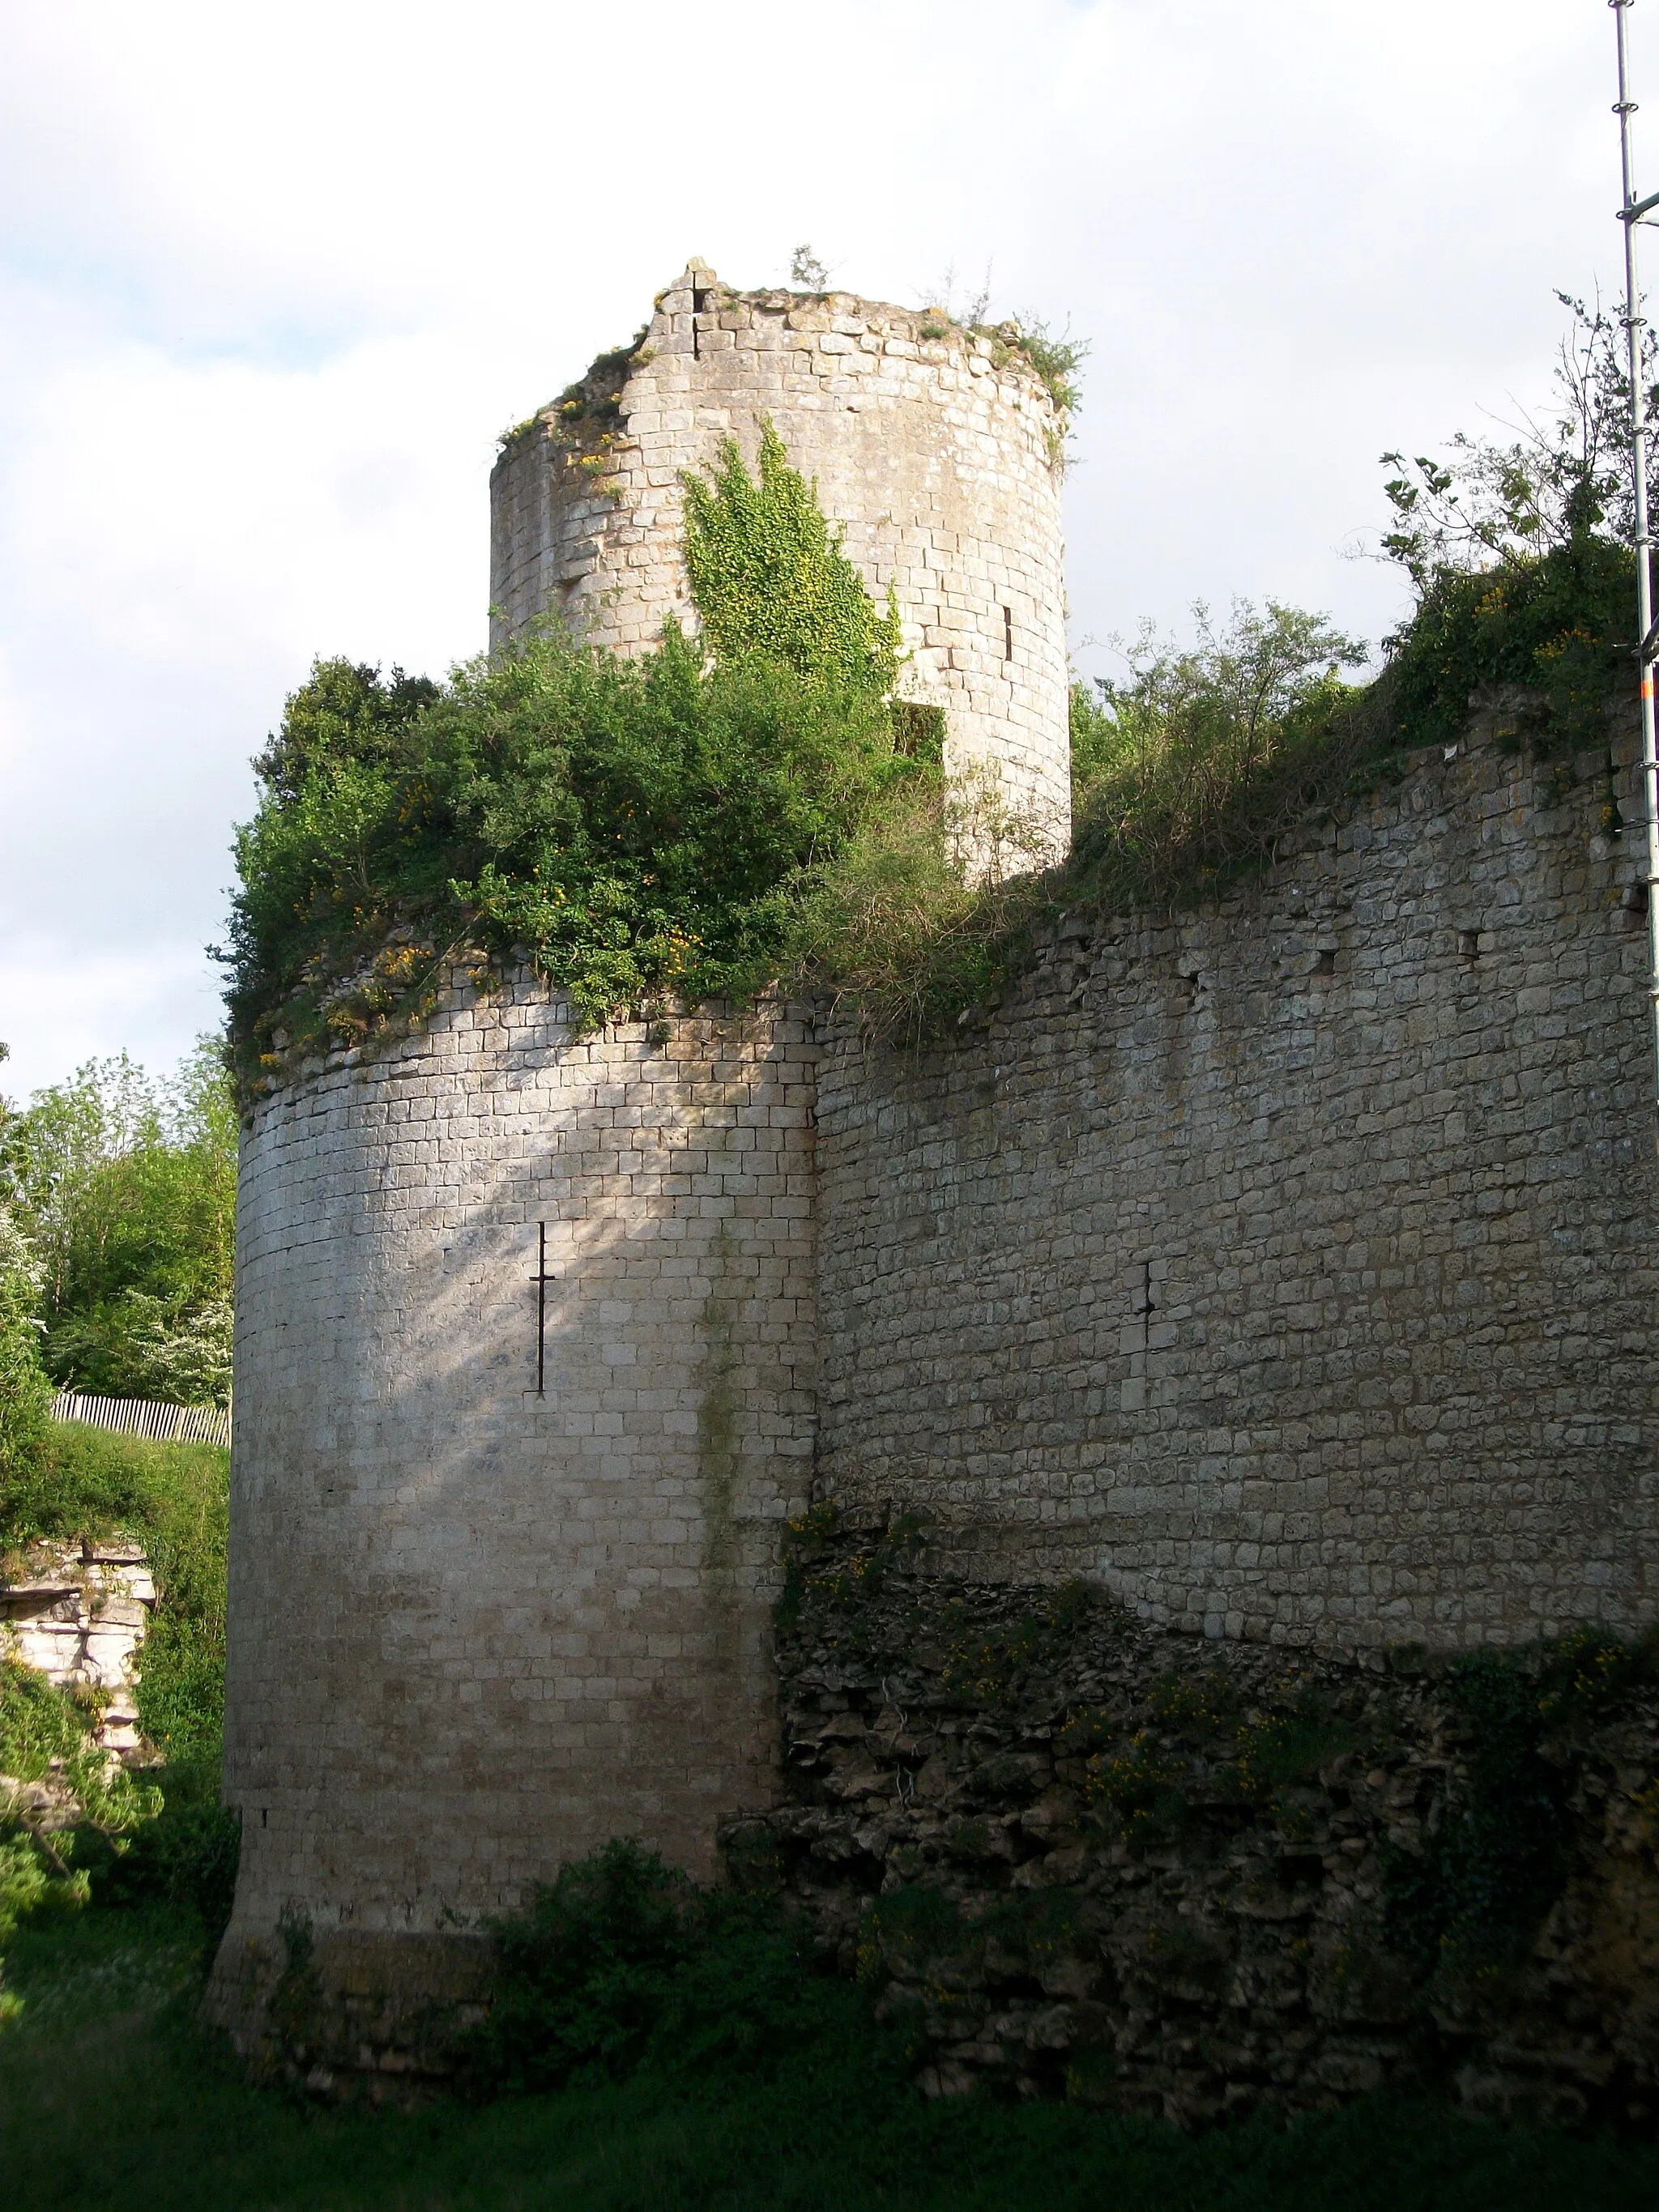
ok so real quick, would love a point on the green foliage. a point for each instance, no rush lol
(103, 1834)
(1207, 753)
(644, 828)
(1094, 743)
(25, 1391)
(622, 1967)
(1562, 479)
(54, 1781)
(837, 1580)
(1521, 556)
(186, 1857)
(1558, 623)
(1056, 360)
(186, 1531)
(1185, 775)
(636, 825)
(1484, 1880)
(87, 1484)
(1285, 1748)
(770, 580)
(127, 1192)
(893, 927)
(588, 412)
(1139, 1781)
(106, 2030)
(347, 716)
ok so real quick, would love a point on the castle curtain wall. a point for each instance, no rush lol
(1287, 1267)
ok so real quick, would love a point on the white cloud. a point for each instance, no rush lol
(152, 1003)
(271, 283)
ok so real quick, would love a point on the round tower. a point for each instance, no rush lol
(936, 450)
(524, 1361)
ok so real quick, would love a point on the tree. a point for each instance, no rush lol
(126, 1192)
(1194, 764)
(1560, 480)
(642, 827)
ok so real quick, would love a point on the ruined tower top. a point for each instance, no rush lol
(936, 450)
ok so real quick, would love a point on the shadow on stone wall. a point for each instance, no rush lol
(1085, 1856)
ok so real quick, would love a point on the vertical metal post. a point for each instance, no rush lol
(1629, 214)
(541, 1311)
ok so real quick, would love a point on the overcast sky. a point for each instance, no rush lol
(274, 280)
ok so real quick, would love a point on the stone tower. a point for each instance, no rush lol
(935, 449)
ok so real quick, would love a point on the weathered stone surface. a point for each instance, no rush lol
(350, 2015)
(1284, 1265)
(937, 455)
(1079, 1853)
(475, 1631)
(78, 1614)
(1285, 1269)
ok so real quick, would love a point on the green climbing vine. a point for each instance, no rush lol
(770, 579)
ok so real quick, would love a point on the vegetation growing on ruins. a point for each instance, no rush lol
(1520, 555)
(772, 584)
(590, 408)
(115, 1256)
(25, 1391)
(77, 1485)
(692, 827)
(643, 830)
(1191, 770)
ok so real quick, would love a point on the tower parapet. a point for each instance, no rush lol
(936, 451)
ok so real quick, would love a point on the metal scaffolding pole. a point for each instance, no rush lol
(1630, 214)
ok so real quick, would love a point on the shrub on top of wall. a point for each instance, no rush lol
(716, 816)
(1558, 627)
(641, 827)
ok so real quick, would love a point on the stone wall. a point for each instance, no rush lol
(473, 1631)
(1076, 1854)
(935, 448)
(1286, 1270)
(1288, 1267)
(78, 1613)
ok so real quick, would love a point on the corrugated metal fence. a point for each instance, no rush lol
(140, 1417)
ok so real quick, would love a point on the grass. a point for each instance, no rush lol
(110, 2097)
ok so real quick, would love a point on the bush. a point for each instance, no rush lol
(1194, 769)
(58, 1785)
(25, 1393)
(167, 1837)
(641, 828)
(892, 926)
(1184, 776)
(621, 1966)
(187, 1854)
(1558, 625)
(1483, 1879)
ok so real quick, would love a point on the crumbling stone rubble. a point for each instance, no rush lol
(1078, 1855)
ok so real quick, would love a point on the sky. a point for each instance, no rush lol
(272, 281)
